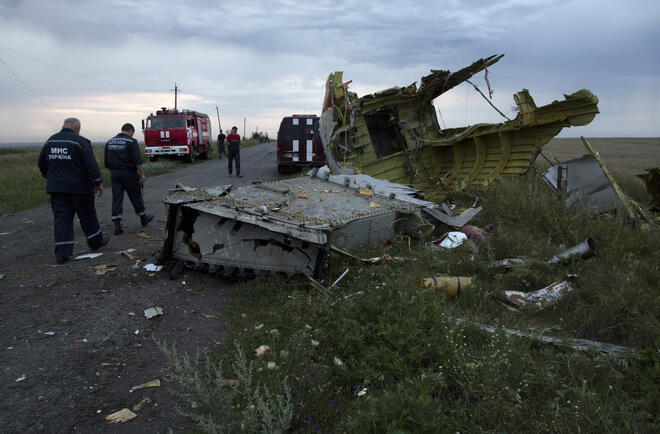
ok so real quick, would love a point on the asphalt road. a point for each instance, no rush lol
(74, 342)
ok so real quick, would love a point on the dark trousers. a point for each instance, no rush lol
(64, 207)
(221, 150)
(234, 154)
(129, 180)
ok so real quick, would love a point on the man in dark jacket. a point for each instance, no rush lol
(221, 144)
(72, 176)
(123, 158)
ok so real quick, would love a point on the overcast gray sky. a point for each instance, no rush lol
(110, 62)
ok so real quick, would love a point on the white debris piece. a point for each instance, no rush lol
(152, 312)
(153, 267)
(451, 240)
(88, 256)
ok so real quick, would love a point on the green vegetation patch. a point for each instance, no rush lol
(23, 187)
(377, 354)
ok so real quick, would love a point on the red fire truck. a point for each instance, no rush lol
(299, 143)
(177, 133)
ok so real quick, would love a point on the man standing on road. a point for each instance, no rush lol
(234, 151)
(72, 177)
(221, 144)
(123, 158)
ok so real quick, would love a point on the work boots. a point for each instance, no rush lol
(118, 229)
(146, 218)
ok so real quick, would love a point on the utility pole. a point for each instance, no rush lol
(218, 113)
(244, 128)
(176, 91)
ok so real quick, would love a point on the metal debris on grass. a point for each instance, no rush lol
(452, 285)
(542, 298)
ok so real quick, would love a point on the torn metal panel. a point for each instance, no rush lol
(394, 134)
(542, 298)
(582, 180)
(577, 344)
(452, 220)
(286, 226)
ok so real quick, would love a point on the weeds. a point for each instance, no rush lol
(376, 354)
(219, 407)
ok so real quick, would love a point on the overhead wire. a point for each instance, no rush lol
(87, 77)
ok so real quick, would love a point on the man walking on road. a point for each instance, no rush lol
(123, 158)
(72, 177)
(234, 151)
(221, 144)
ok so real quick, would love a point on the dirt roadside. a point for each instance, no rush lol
(73, 343)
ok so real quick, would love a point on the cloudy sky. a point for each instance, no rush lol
(110, 62)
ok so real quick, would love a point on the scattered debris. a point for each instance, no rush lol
(541, 299)
(143, 235)
(227, 383)
(121, 252)
(21, 378)
(450, 240)
(146, 400)
(80, 341)
(573, 343)
(123, 415)
(103, 269)
(2, 276)
(261, 350)
(4, 233)
(210, 316)
(152, 312)
(585, 250)
(49, 333)
(88, 256)
(153, 383)
(394, 133)
(452, 285)
(153, 267)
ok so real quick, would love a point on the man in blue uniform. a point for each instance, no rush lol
(123, 158)
(72, 177)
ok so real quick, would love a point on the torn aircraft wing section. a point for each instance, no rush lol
(394, 134)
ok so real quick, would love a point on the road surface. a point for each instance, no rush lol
(73, 342)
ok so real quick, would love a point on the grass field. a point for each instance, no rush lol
(376, 354)
(23, 187)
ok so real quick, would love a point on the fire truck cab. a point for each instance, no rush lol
(177, 134)
(299, 143)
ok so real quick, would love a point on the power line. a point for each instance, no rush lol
(29, 88)
(74, 72)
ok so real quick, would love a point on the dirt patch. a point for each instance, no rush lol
(78, 341)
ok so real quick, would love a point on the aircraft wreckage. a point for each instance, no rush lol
(394, 134)
(382, 150)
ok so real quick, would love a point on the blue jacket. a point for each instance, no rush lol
(67, 162)
(122, 152)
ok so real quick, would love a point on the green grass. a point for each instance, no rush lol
(23, 187)
(376, 354)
